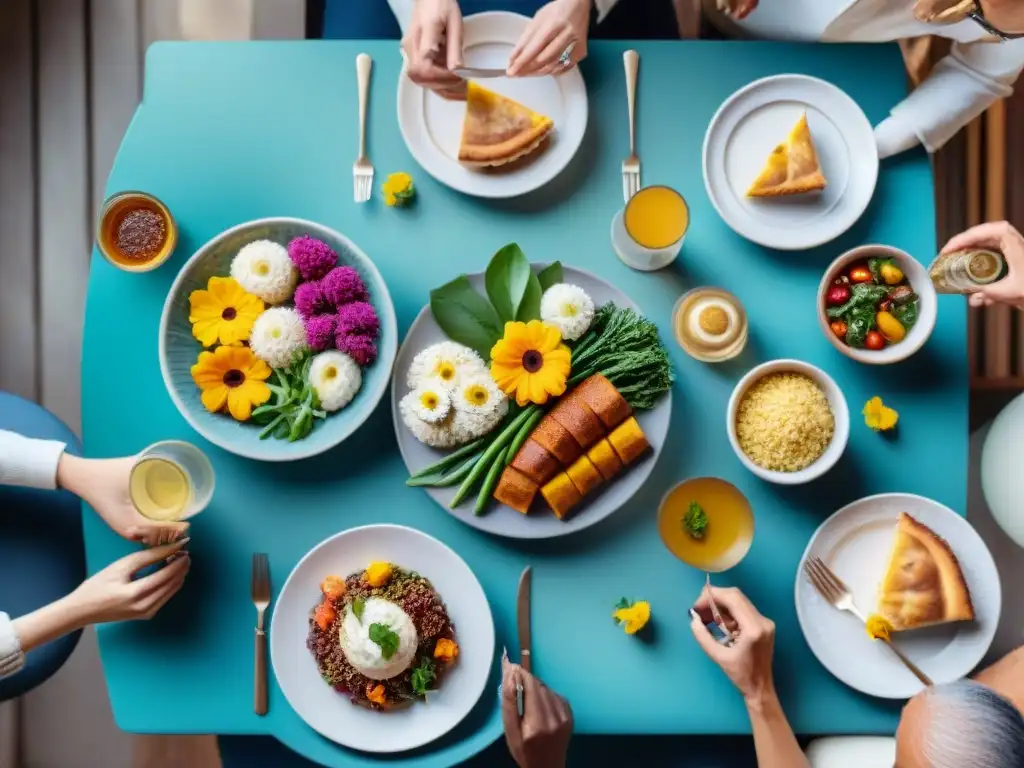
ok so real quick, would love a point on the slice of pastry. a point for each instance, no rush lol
(497, 130)
(924, 584)
(792, 167)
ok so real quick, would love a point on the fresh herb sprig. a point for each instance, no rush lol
(422, 676)
(294, 405)
(358, 606)
(695, 522)
(385, 638)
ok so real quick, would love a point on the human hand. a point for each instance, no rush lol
(737, 9)
(748, 661)
(557, 26)
(1003, 237)
(540, 738)
(433, 46)
(114, 594)
(103, 484)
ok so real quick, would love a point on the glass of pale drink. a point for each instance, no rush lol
(171, 480)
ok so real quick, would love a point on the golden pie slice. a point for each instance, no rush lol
(924, 584)
(792, 167)
(498, 130)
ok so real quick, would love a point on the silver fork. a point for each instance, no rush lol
(362, 171)
(832, 588)
(261, 599)
(631, 165)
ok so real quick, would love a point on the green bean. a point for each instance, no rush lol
(445, 478)
(490, 481)
(269, 429)
(524, 432)
(485, 461)
(451, 458)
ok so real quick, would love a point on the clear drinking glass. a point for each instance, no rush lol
(648, 233)
(190, 462)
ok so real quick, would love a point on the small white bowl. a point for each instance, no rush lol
(916, 274)
(836, 401)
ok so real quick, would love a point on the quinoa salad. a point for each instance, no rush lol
(382, 636)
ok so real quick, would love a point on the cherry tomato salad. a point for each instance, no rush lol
(871, 304)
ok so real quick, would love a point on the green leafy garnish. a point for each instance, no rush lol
(358, 605)
(622, 605)
(385, 637)
(422, 676)
(863, 296)
(550, 275)
(294, 406)
(530, 308)
(906, 313)
(465, 316)
(506, 279)
(859, 322)
(695, 522)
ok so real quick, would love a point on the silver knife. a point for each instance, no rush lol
(523, 620)
(477, 73)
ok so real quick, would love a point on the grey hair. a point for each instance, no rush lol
(971, 726)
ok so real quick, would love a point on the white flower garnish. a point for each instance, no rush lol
(264, 269)
(568, 308)
(445, 363)
(435, 435)
(335, 377)
(278, 336)
(430, 403)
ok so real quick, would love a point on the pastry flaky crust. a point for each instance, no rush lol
(924, 584)
(497, 130)
(792, 168)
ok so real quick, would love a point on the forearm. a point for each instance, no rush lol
(774, 740)
(48, 623)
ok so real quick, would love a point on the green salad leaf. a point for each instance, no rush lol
(530, 308)
(863, 296)
(294, 407)
(906, 313)
(358, 606)
(858, 323)
(550, 275)
(506, 279)
(695, 522)
(465, 316)
(422, 676)
(385, 637)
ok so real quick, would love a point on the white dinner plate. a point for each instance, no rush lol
(432, 126)
(331, 713)
(499, 519)
(757, 118)
(856, 543)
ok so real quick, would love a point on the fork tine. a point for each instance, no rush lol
(830, 575)
(813, 568)
(634, 183)
(625, 187)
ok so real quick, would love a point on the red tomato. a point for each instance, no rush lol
(837, 294)
(874, 340)
(860, 274)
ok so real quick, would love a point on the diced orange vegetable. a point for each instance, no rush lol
(561, 495)
(628, 440)
(324, 615)
(378, 574)
(376, 694)
(446, 649)
(333, 587)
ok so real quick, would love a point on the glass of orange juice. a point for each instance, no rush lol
(648, 233)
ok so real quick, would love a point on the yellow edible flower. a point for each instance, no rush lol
(232, 377)
(531, 362)
(878, 416)
(398, 189)
(224, 311)
(446, 650)
(378, 574)
(878, 627)
(632, 616)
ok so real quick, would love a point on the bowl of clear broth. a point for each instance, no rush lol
(136, 232)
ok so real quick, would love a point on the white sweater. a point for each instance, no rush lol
(976, 73)
(32, 463)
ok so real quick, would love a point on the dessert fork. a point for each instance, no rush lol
(832, 588)
(261, 599)
(631, 165)
(362, 171)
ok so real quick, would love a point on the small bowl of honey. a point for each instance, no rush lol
(136, 232)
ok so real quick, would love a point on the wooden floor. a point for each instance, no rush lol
(70, 79)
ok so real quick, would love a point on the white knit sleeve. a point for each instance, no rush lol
(27, 461)
(961, 87)
(11, 657)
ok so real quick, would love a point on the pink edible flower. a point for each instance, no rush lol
(358, 346)
(342, 285)
(320, 330)
(313, 258)
(358, 317)
(309, 299)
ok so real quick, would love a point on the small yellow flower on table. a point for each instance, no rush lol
(879, 416)
(632, 616)
(398, 190)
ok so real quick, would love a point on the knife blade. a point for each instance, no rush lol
(523, 620)
(478, 73)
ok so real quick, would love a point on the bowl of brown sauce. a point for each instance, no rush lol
(136, 232)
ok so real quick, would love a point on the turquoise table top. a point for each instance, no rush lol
(232, 132)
